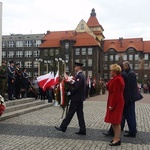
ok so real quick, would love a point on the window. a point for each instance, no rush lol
(106, 58)
(77, 60)
(111, 50)
(67, 56)
(3, 54)
(136, 67)
(90, 51)
(136, 56)
(51, 52)
(10, 43)
(146, 66)
(137, 75)
(56, 51)
(3, 44)
(77, 51)
(145, 56)
(82, 26)
(105, 76)
(111, 57)
(66, 45)
(10, 54)
(21, 65)
(90, 73)
(67, 69)
(28, 64)
(83, 51)
(36, 53)
(28, 53)
(19, 53)
(84, 62)
(145, 76)
(37, 43)
(131, 50)
(28, 43)
(130, 57)
(35, 64)
(116, 57)
(89, 62)
(29, 74)
(124, 57)
(19, 43)
(105, 66)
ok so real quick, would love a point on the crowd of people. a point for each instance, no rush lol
(122, 89)
(16, 83)
(94, 87)
(122, 95)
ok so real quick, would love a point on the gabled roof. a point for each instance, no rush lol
(122, 45)
(146, 46)
(52, 39)
(93, 22)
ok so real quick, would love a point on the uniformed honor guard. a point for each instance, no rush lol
(11, 81)
(77, 96)
(18, 83)
(3, 79)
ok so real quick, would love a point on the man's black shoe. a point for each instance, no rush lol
(108, 134)
(129, 131)
(80, 133)
(60, 129)
(130, 135)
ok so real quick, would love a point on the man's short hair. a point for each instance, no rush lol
(127, 63)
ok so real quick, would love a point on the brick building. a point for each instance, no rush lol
(87, 44)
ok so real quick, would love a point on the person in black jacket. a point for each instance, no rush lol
(77, 96)
(18, 83)
(134, 95)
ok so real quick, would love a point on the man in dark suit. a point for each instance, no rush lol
(133, 96)
(77, 96)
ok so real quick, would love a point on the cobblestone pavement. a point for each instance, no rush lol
(35, 130)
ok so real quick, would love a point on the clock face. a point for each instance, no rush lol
(67, 45)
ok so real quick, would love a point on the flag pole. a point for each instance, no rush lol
(57, 60)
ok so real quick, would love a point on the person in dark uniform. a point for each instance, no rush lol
(77, 96)
(18, 83)
(11, 81)
(3, 79)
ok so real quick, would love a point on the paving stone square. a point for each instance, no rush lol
(35, 130)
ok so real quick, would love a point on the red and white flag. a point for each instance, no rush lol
(45, 80)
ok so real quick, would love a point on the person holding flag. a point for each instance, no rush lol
(77, 96)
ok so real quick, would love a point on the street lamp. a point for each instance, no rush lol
(39, 60)
(47, 62)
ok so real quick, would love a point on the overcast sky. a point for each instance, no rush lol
(119, 18)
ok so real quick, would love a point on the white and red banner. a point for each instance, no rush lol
(48, 80)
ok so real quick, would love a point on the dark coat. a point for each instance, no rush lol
(115, 100)
(134, 94)
(79, 91)
(126, 89)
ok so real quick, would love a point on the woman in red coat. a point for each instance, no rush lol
(115, 102)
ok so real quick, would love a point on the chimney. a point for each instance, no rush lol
(48, 32)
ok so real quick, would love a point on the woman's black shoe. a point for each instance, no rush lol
(115, 144)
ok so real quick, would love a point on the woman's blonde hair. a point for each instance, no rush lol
(116, 68)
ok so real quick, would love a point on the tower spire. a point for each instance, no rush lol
(93, 12)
